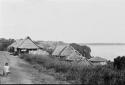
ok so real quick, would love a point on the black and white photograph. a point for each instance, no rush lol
(62, 42)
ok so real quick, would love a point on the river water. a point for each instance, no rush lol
(107, 51)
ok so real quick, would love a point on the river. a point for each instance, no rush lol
(107, 51)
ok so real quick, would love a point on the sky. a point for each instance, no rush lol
(80, 21)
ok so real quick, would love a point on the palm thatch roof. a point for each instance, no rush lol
(98, 59)
(27, 43)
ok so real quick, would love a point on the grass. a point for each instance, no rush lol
(72, 72)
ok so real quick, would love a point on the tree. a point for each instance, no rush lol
(84, 50)
(4, 43)
(119, 62)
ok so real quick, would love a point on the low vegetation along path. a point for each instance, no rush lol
(23, 73)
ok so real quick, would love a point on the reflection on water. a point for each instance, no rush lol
(107, 51)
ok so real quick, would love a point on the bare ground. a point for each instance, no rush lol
(24, 73)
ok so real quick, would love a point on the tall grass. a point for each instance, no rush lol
(99, 75)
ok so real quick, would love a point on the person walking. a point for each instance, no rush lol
(6, 69)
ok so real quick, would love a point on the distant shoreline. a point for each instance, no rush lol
(102, 43)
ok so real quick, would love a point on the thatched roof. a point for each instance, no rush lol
(41, 45)
(58, 50)
(74, 56)
(97, 59)
(68, 50)
(27, 43)
(64, 50)
(85, 62)
(16, 43)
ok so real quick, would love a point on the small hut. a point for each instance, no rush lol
(13, 48)
(98, 61)
(83, 62)
(74, 57)
(58, 50)
(27, 45)
(67, 52)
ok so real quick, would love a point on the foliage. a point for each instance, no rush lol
(119, 62)
(84, 50)
(50, 51)
(97, 75)
(103, 76)
(4, 43)
(10, 49)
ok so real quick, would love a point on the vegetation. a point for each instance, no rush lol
(84, 50)
(119, 62)
(50, 51)
(98, 75)
(4, 43)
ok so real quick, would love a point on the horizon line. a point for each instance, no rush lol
(88, 43)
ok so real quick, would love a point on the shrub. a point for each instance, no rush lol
(98, 75)
(4, 43)
(103, 76)
(84, 50)
(119, 62)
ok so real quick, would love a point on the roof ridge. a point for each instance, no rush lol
(30, 40)
(33, 41)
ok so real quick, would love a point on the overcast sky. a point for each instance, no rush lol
(83, 21)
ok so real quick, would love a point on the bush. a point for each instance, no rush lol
(4, 43)
(62, 66)
(119, 62)
(103, 76)
(84, 50)
(99, 75)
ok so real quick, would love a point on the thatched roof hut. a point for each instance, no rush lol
(83, 62)
(68, 52)
(98, 60)
(58, 50)
(74, 56)
(16, 44)
(27, 43)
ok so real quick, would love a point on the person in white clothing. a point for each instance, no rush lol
(6, 69)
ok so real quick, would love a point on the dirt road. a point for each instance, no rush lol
(23, 73)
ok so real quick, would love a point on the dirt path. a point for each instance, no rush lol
(23, 73)
(17, 75)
